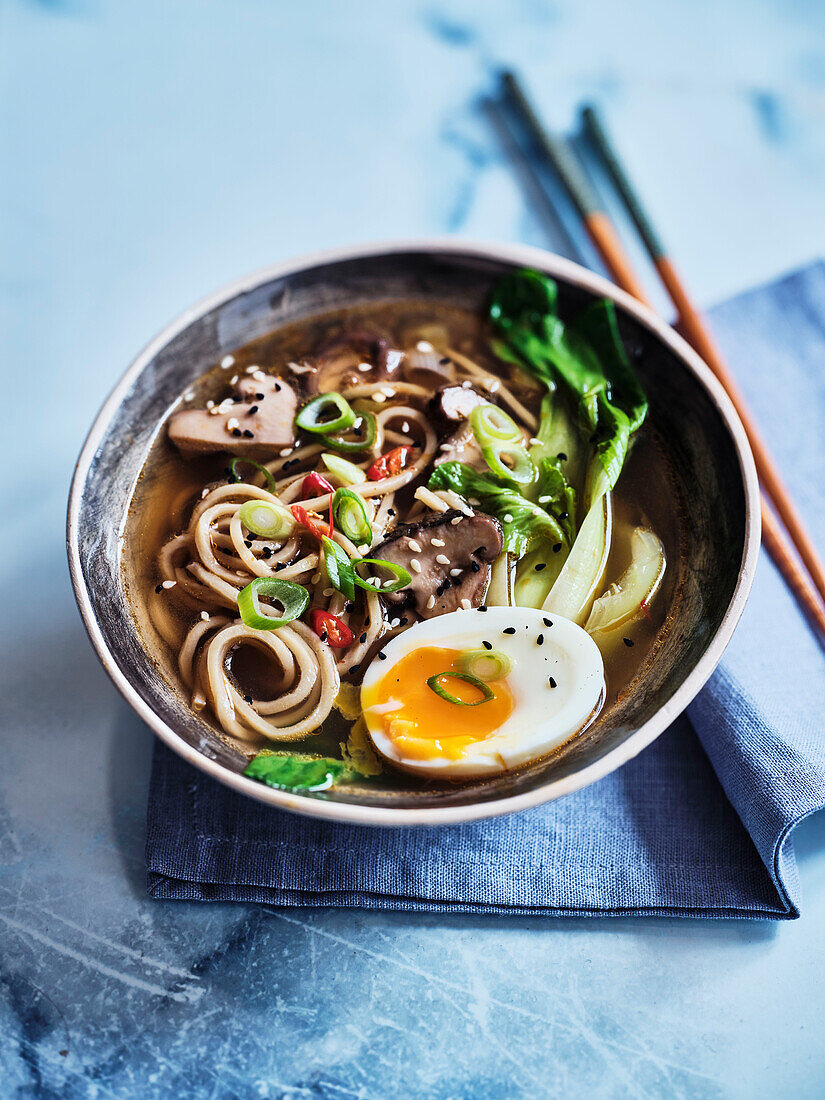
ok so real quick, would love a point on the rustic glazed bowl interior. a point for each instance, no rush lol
(713, 489)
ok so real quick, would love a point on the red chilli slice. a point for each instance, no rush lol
(330, 629)
(390, 464)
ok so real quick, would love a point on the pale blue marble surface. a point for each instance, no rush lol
(153, 151)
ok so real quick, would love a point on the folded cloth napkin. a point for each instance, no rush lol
(698, 825)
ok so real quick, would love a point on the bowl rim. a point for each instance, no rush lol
(352, 813)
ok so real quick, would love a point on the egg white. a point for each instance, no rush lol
(543, 718)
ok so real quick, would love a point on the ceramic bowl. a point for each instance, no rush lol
(717, 488)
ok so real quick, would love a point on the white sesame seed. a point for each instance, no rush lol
(198, 701)
(210, 404)
(364, 548)
(424, 345)
(535, 442)
(205, 616)
(395, 622)
(438, 542)
(431, 603)
(473, 500)
(188, 396)
(259, 376)
(379, 398)
(508, 517)
(285, 452)
(364, 367)
(234, 379)
(316, 577)
(465, 604)
(227, 362)
(442, 559)
(415, 546)
(455, 572)
(446, 447)
(388, 391)
(252, 369)
(415, 566)
(466, 384)
(328, 591)
(405, 427)
(205, 492)
(232, 423)
(214, 411)
(169, 584)
(455, 520)
(545, 499)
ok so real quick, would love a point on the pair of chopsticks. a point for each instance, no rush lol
(790, 546)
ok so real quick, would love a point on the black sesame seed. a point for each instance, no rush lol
(443, 362)
(487, 645)
(540, 640)
(247, 698)
(628, 642)
(236, 432)
(556, 548)
(547, 622)
(403, 621)
(390, 511)
(482, 607)
(266, 552)
(354, 668)
(562, 456)
(277, 387)
(252, 409)
(259, 396)
(541, 565)
(279, 565)
(323, 635)
(382, 656)
(248, 433)
(551, 682)
(350, 607)
(247, 544)
(440, 590)
(509, 630)
(228, 471)
(475, 566)
(158, 587)
(363, 638)
(563, 515)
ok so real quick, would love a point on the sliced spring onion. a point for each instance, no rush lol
(491, 424)
(361, 437)
(351, 516)
(292, 597)
(270, 480)
(339, 568)
(519, 467)
(402, 577)
(318, 414)
(485, 664)
(265, 518)
(346, 472)
(435, 685)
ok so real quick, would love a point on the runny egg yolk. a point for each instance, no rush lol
(422, 724)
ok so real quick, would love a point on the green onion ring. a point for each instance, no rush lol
(398, 571)
(491, 424)
(311, 417)
(339, 568)
(342, 468)
(486, 692)
(351, 516)
(522, 471)
(293, 597)
(267, 519)
(270, 480)
(361, 443)
(473, 661)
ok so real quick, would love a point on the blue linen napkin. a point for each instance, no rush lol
(698, 825)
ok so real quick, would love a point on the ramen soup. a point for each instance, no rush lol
(404, 543)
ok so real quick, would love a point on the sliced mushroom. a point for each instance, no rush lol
(340, 357)
(452, 404)
(448, 556)
(255, 422)
(461, 446)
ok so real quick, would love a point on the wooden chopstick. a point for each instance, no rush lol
(774, 537)
(696, 331)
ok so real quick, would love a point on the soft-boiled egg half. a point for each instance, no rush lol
(479, 692)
